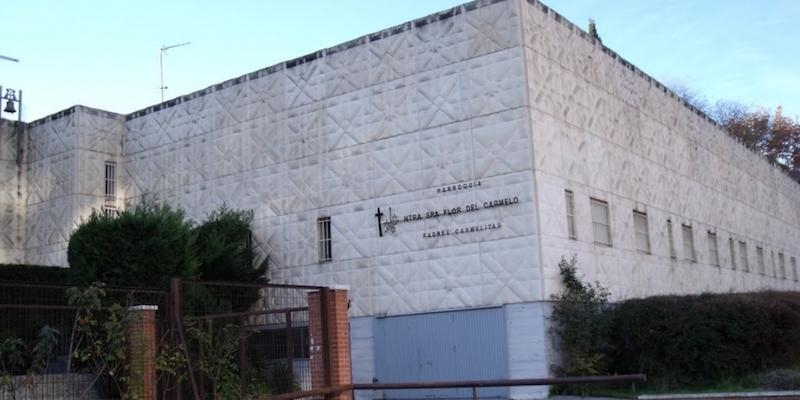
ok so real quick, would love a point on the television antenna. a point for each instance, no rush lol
(2, 57)
(161, 63)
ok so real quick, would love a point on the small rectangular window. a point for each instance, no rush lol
(713, 251)
(774, 267)
(600, 222)
(324, 239)
(793, 266)
(782, 265)
(688, 243)
(733, 253)
(111, 179)
(110, 211)
(672, 253)
(743, 255)
(762, 269)
(570, 200)
(642, 232)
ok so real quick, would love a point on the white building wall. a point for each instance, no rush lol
(64, 172)
(380, 122)
(603, 129)
(12, 213)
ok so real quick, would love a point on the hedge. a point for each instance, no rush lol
(35, 273)
(685, 341)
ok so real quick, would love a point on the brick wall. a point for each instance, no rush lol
(142, 342)
(338, 340)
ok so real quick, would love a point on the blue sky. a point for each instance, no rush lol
(105, 54)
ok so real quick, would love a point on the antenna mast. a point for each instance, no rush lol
(161, 63)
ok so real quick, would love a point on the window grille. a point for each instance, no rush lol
(111, 179)
(324, 239)
(733, 253)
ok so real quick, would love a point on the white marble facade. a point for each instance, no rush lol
(490, 103)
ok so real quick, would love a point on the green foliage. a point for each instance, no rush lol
(580, 323)
(216, 361)
(146, 245)
(13, 359)
(100, 337)
(282, 380)
(681, 341)
(34, 273)
(143, 246)
(44, 349)
(224, 247)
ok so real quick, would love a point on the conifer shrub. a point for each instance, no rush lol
(143, 246)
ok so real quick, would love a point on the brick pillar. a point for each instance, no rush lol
(142, 346)
(338, 340)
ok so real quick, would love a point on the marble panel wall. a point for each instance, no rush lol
(604, 129)
(12, 211)
(379, 122)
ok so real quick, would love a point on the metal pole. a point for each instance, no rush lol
(161, 69)
(19, 130)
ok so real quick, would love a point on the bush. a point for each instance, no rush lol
(143, 246)
(685, 341)
(579, 323)
(224, 248)
(34, 273)
(780, 379)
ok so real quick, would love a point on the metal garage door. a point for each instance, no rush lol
(446, 346)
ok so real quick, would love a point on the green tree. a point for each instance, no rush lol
(145, 245)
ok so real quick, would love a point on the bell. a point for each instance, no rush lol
(10, 107)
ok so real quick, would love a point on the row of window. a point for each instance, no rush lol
(601, 230)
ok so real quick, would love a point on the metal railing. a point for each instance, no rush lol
(473, 384)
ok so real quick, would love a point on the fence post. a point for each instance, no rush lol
(174, 317)
(142, 350)
(329, 331)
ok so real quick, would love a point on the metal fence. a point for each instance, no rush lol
(267, 326)
(40, 333)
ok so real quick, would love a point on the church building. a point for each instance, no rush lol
(439, 169)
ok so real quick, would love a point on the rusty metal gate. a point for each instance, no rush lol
(255, 337)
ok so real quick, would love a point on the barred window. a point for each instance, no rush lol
(324, 239)
(743, 255)
(642, 233)
(111, 179)
(713, 251)
(600, 222)
(672, 253)
(733, 253)
(688, 243)
(760, 259)
(570, 200)
(793, 265)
